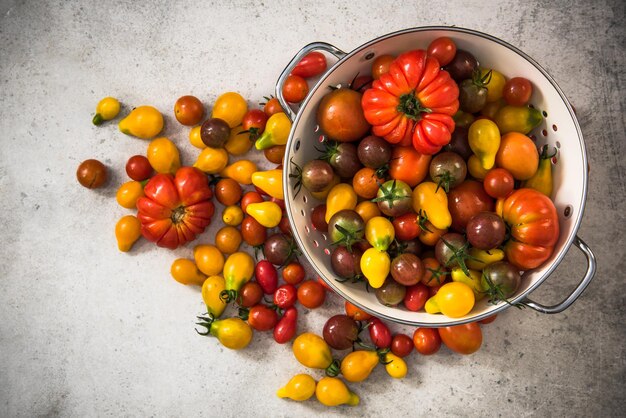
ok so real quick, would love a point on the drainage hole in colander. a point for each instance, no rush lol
(317, 128)
(321, 138)
(558, 144)
(302, 212)
(369, 56)
(297, 146)
(315, 244)
(307, 229)
(568, 211)
(554, 128)
(545, 114)
(326, 251)
(530, 105)
(533, 137)
(544, 133)
(325, 237)
(304, 199)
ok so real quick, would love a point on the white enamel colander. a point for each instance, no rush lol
(559, 129)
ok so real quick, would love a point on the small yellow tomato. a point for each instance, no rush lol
(195, 138)
(475, 168)
(480, 259)
(266, 213)
(454, 300)
(238, 143)
(185, 271)
(495, 84)
(340, 197)
(209, 259)
(211, 291)
(433, 201)
(331, 391)
(375, 266)
(367, 210)
(143, 122)
(240, 171)
(270, 181)
(127, 232)
(299, 388)
(128, 194)
(107, 109)
(379, 232)
(312, 351)
(238, 270)
(163, 156)
(396, 366)
(358, 365)
(232, 215)
(232, 333)
(230, 107)
(212, 160)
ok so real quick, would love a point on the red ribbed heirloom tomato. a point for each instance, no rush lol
(534, 225)
(175, 208)
(413, 102)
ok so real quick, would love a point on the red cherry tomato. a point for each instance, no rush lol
(250, 197)
(312, 64)
(379, 333)
(262, 318)
(498, 183)
(285, 296)
(253, 233)
(444, 49)
(362, 83)
(272, 106)
(406, 227)
(293, 273)
(318, 218)
(254, 122)
(266, 276)
(416, 296)
(138, 168)
(189, 110)
(517, 91)
(426, 340)
(463, 339)
(311, 294)
(250, 294)
(295, 89)
(285, 329)
(401, 345)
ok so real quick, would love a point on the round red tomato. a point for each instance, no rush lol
(488, 320)
(407, 227)
(463, 339)
(426, 340)
(252, 232)
(285, 296)
(138, 168)
(311, 294)
(517, 91)
(498, 183)
(416, 297)
(443, 49)
(189, 110)
(293, 273)
(262, 318)
(250, 294)
(401, 345)
(295, 89)
(465, 201)
(254, 122)
(272, 106)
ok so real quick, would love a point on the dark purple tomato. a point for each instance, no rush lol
(391, 293)
(465, 201)
(341, 332)
(485, 231)
(343, 158)
(500, 280)
(448, 170)
(407, 269)
(450, 248)
(346, 227)
(317, 175)
(401, 345)
(462, 65)
(459, 143)
(214, 132)
(278, 249)
(346, 264)
(394, 198)
(374, 152)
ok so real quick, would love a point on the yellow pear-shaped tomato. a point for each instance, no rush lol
(211, 290)
(270, 181)
(185, 271)
(238, 269)
(212, 160)
(358, 365)
(375, 266)
(163, 156)
(340, 197)
(127, 232)
(144, 122)
(484, 140)
(276, 131)
(107, 109)
(453, 299)
(240, 171)
(396, 366)
(267, 213)
(331, 391)
(312, 351)
(432, 200)
(233, 333)
(379, 232)
(299, 388)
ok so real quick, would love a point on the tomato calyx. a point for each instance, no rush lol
(349, 238)
(178, 215)
(297, 174)
(444, 180)
(411, 106)
(205, 321)
(459, 255)
(546, 154)
(390, 194)
(229, 295)
(422, 219)
(481, 81)
(437, 274)
(333, 369)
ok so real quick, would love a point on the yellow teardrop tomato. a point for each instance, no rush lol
(276, 131)
(211, 290)
(230, 107)
(270, 181)
(240, 171)
(127, 232)
(163, 156)
(209, 259)
(484, 140)
(128, 194)
(379, 232)
(238, 143)
(358, 365)
(107, 109)
(238, 269)
(375, 266)
(331, 391)
(143, 122)
(433, 201)
(300, 388)
(473, 281)
(195, 139)
(185, 271)
(232, 215)
(312, 351)
(212, 160)
(475, 168)
(396, 366)
(453, 299)
(232, 333)
(340, 197)
(266, 213)
(367, 210)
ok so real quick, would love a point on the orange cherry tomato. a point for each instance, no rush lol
(228, 239)
(434, 273)
(228, 192)
(429, 235)
(408, 165)
(311, 294)
(295, 89)
(366, 183)
(381, 65)
(293, 273)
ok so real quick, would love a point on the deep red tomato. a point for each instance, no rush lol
(443, 49)
(401, 345)
(295, 89)
(356, 313)
(254, 122)
(272, 106)
(406, 227)
(250, 294)
(311, 294)
(416, 296)
(427, 341)
(466, 200)
(361, 83)
(463, 339)
(285, 329)
(175, 209)
(312, 64)
(267, 276)
(293, 273)
(250, 197)
(252, 232)
(285, 296)
(138, 168)
(517, 91)
(381, 65)
(262, 318)
(379, 333)
(498, 182)
(189, 110)
(488, 320)
(285, 226)
(318, 218)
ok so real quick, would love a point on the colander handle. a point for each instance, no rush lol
(315, 46)
(591, 271)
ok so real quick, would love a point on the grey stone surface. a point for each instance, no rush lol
(88, 331)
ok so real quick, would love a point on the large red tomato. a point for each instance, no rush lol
(466, 200)
(175, 208)
(534, 224)
(413, 103)
(464, 339)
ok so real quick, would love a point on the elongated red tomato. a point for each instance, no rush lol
(413, 103)
(175, 209)
(313, 63)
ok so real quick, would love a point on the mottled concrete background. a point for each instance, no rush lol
(88, 331)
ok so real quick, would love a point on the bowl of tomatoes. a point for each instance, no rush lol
(435, 176)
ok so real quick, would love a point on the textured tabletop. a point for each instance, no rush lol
(88, 331)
